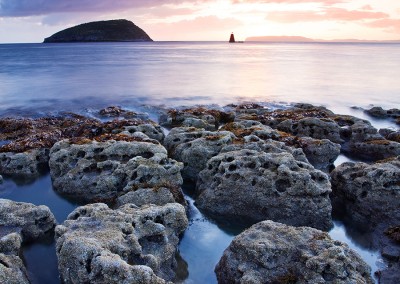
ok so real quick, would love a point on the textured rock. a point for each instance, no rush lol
(369, 194)
(255, 186)
(30, 221)
(150, 130)
(195, 147)
(12, 269)
(104, 170)
(319, 128)
(320, 153)
(157, 196)
(28, 164)
(128, 245)
(198, 117)
(270, 252)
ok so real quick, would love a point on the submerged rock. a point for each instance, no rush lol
(256, 186)
(30, 221)
(101, 171)
(128, 245)
(270, 252)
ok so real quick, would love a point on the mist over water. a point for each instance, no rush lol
(51, 77)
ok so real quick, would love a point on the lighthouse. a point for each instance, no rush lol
(232, 38)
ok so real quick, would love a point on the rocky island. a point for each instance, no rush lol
(101, 31)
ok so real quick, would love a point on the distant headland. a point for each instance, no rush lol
(306, 39)
(102, 31)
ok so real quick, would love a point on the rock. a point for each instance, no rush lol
(270, 252)
(101, 171)
(320, 153)
(128, 245)
(157, 196)
(101, 31)
(198, 117)
(150, 130)
(255, 186)
(117, 111)
(377, 112)
(12, 269)
(369, 194)
(30, 164)
(195, 147)
(1, 179)
(30, 221)
(319, 128)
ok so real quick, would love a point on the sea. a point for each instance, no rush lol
(50, 79)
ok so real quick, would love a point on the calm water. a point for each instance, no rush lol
(37, 79)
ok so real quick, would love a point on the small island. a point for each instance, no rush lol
(101, 31)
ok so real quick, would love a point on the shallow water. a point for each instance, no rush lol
(201, 247)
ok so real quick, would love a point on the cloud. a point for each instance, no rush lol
(389, 25)
(328, 14)
(324, 2)
(22, 8)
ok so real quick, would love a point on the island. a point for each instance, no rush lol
(101, 31)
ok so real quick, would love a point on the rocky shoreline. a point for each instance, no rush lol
(249, 163)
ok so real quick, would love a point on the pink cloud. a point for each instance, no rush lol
(390, 25)
(328, 14)
(324, 2)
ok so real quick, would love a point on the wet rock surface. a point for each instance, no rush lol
(198, 117)
(129, 245)
(12, 269)
(101, 171)
(257, 186)
(30, 221)
(270, 252)
(195, 147)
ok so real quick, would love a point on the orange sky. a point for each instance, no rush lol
(31, 21)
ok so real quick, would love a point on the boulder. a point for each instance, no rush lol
(377, 112)
(270, 252)
(30, 221)
(157, 196)
(101, 171)
(12, 269)
(128, 245)
(369, 194)
(255, 186)
(29, 164)
(198, 117)
(319, 128)
(195, 147)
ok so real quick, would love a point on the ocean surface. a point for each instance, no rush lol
(43, 79)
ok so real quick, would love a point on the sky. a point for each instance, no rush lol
(165, 20)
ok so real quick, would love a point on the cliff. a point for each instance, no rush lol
(102, 31)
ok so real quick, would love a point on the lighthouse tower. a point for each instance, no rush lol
(232, 38)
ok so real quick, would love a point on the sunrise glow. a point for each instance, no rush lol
(23, 21)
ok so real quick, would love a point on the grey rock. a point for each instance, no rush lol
(195, 148)
(256, 186)
(270, 252)
(320, 153)
(12, 270)
(157, 196)
(377, 112)
(369, 194)
(104, 170)
(151, 130)
(30, 221)
(129, 245)
(319, 128)
(28, 164)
